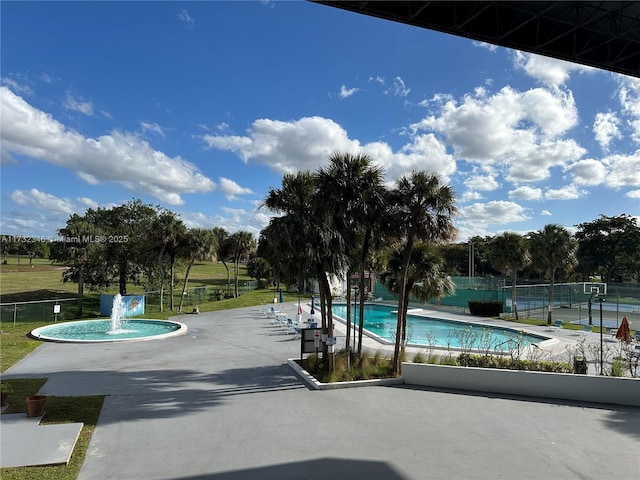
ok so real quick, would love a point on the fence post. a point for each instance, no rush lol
(15, 313)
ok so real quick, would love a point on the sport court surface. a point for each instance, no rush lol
(221, 403)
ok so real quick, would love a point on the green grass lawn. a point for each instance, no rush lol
(57, 410)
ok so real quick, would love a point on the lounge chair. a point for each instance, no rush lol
(611, 333)
(557, 325)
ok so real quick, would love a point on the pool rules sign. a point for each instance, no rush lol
(309, 340)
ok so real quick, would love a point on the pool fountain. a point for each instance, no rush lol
(116, 329)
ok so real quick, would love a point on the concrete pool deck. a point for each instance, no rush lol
(221, 403)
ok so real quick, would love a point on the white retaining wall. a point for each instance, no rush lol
(566, 386)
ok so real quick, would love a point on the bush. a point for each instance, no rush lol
(485, 308)
(489, 361)
(419, 358)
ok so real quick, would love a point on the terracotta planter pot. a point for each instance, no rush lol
(35, 405)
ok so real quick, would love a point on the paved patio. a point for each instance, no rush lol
(221, 403)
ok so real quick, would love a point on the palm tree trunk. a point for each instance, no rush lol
(184, 287)
(514, 300)
(236, 268)
(348, 319)
(327, 317)
(550, 313)
(363, 259)
(402, 307)
(80, 289)
(228, 276)
(161, 267)
(172, 279)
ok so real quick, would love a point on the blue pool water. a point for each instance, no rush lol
(102, 331)
(381, 322)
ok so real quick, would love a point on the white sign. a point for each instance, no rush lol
(56, 309)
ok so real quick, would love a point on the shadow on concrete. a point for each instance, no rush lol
(624, 419)
(319, 469)
(174, 392)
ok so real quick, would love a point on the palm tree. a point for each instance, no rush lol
(223, 252)
(422, 208)
(169, 232)
(353, 189)
(508, 252)
(80, 229)
(553, 249)
(308, 235)
(242, 245)
(200, 246)
(426, 278)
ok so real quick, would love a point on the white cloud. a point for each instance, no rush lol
(398, 89)
(152, 127)
(118, 157)
(633, 194)
(526, 193)
(629, 96)
(519, 131)
(16, 87)
(623, 170)
(78, 105)
(379, 80)
(484, 183)
(36, 199)
(186, 18)
(347, 92)
(307, 144)
(489, 46)
(587, 172)
(231, 189)
(606, 128)
(469, 196)
(547, 70)
(40, 213)
(570, 192)
(481, 215)
(545, 213)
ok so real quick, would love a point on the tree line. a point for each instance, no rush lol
(341, 221)
(143, 245)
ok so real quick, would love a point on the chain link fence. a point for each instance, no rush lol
(61, 310)
(570, 302)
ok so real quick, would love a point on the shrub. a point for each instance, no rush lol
(489, 361)
(485, 308)
(419, 358)
(6, 388)
(617, 367)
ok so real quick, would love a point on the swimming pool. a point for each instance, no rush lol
(380, 321)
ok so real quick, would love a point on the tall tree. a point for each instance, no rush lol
(168, 231)
(426, 278)
(199, 246)
(554, 249)
(242, 245)
(609, 246)
(223, 252)
(352, 188)
(509, 252)
(77, 248)
(422, 207)
(313, 238)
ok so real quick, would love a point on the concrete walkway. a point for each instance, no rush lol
(221, 403)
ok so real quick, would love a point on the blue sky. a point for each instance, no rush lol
(201, 107)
